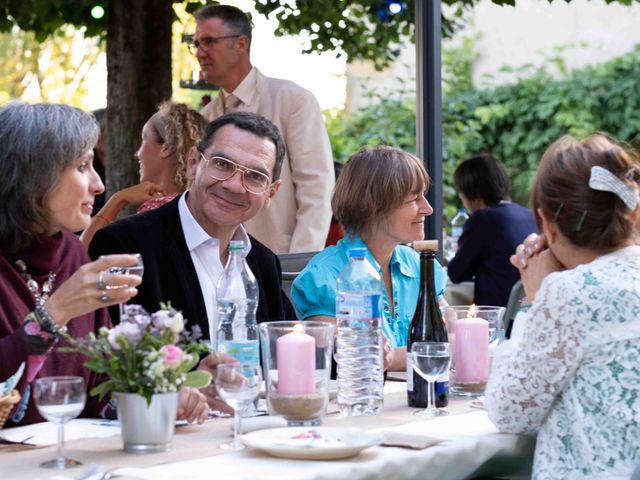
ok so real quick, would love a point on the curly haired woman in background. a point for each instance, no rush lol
(167, 138)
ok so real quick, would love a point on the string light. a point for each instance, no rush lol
(97, 12)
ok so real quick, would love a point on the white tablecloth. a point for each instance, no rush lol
(472, 443)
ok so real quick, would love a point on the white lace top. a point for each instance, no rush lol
(571, 371)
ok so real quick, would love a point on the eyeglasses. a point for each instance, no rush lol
(223, 169)
(207, 42)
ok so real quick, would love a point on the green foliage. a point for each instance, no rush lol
(388, 120)
(516, 122)
(45, 17)
(358, 29)
(144, 354)
(53, 71)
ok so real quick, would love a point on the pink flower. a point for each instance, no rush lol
(172, 356)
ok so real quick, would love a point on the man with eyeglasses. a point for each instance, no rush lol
(299, 217)
(235, 171)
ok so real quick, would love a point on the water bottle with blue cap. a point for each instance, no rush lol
(359, 352)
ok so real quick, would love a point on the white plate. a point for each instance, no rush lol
(313, 443)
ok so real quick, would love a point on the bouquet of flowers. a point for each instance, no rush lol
(144, 354)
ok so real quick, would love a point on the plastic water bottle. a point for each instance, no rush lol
(359, 345)
(457, 223)
(237, 297)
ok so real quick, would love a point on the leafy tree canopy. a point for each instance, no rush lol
(516, 122)
(364, 29)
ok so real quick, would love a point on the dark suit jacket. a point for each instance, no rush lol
(488, 239)
(169, 274)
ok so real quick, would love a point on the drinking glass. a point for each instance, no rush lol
(137, 269)
(59, 399)
(238, 385)
(430, 360)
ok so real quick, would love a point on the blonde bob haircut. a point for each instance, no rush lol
(373, 183)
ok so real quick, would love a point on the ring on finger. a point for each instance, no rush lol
(102, 285)
(104, 297)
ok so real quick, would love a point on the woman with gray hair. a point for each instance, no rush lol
(47, 283)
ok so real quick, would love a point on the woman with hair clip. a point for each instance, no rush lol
(167, 138)
(380, 202)
(570, 371)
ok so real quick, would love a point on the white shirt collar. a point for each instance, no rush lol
(195, 235)
(246, 88)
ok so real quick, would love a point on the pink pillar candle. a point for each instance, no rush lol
(472, 350)
(296, 357)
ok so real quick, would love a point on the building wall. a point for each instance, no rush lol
(515, 36)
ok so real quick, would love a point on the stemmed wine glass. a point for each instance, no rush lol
(59, 399)
(238, 385)
(430, 360)
(137, 269)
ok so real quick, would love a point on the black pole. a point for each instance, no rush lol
(429, 108)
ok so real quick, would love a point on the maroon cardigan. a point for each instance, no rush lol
(63, 254)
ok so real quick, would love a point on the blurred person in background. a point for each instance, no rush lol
(167, 138)
(495, 228)
(299, 217)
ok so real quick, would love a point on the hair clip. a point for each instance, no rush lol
(557, 214)
(581, 221)
(603, 180)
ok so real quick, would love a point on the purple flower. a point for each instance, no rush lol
(131, 332)
(165, 319)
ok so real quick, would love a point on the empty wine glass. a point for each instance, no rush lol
(238, 385)
(430, 360)
(137, 269)
(60, 399)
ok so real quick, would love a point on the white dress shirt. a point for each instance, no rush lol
(205, 255)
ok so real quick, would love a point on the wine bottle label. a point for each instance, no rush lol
(409, 373)
(442, 384)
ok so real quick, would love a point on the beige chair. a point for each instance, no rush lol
(292, 264)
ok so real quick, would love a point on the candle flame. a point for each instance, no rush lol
(298, 328)
(472, 311)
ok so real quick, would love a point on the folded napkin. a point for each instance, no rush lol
(252, 424)
(405, 440)
(7, 386)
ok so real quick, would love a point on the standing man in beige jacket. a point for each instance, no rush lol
(299, 216)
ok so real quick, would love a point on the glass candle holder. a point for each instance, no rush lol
(297, 368)
(474, 330)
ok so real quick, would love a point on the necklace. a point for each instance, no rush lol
(32, 285)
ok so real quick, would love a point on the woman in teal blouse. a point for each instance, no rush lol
(379, 201)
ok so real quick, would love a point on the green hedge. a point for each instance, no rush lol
(516, 122)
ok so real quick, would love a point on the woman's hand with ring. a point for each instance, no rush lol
(81, 292)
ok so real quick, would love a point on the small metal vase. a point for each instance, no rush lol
(147, 428)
